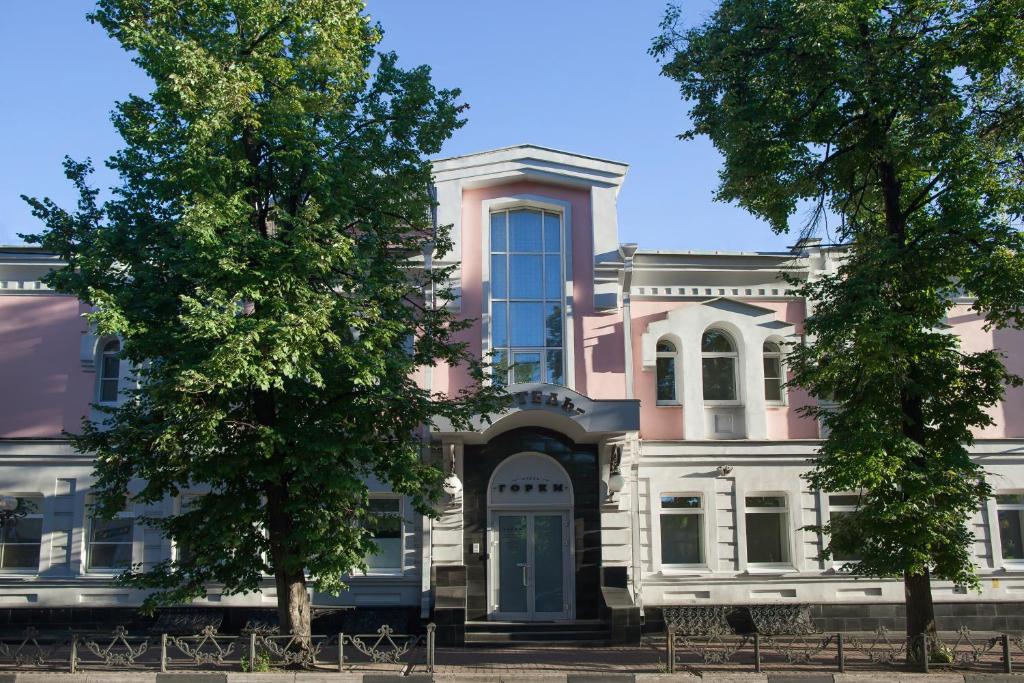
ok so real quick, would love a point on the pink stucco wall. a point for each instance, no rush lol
(599, 364)
(44, 389)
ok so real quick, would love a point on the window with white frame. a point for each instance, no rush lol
(666, 372)
(718, 367)
(682, 529)
(767, 529)
(526, 306)
(385, 525)
(1010, 511)
(22, 536)
(109, 542)
(185, 503)
(840, 507)
(773, 377)
(110, 371)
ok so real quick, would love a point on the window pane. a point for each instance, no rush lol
(112, 346)
(847, 499)
(499, 324)
(110, 555)
(766, 501)
(765, 538)
(390, 506)
(1010, 498)
(498, 231)
(771, 347)
(772, 390)
(553, 277)
(20, 556)
(716, 341)
(680, 539)
(719, 379)
(526, 367)
(24, 530)
(837, 554)
(554, 373)
(553, 324)
(526, 324)
(108, 390)
(772, 369)
(1011, 534)
(499, 367)
(665, 346)
(386, 528)
(112, 531)
(688, 502)
(499, 276)
(666, 369)
(525, 278)
(552, 233)
(524, 231)
(111, 366)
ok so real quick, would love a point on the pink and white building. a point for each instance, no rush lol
(652, 457)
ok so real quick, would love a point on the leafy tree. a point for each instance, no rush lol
(265, 259)
(903, 120)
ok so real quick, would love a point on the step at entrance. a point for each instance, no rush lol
(583, 633)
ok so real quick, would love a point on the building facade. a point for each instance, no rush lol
(652, 456)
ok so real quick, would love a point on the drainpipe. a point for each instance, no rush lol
(627, 251)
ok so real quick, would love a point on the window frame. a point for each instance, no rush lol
(829, 508)
(702, 533)
(401, 568)
(734, 356)
(90, 518)
(675, 357)
(102, 377)
(38, 499)
(779, 356)
(1009, 563)
(786, 536)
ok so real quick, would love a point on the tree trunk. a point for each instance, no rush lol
(920, 614)
(293, 607)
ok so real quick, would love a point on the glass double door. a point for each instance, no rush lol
(531, 569)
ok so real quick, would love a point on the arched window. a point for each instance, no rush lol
(110, 371)
(718, 366)
(773, 378)
(666, 372)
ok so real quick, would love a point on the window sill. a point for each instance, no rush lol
(1013, 566)
(770, 570)
(668, 404)
(380, 574)
(722, 404)
(680, 570)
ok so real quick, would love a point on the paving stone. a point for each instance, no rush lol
(207, 677)
(398, 678)
(993, 678)
(600, 678)
(786, 677)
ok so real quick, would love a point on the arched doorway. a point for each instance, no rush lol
(530, 534)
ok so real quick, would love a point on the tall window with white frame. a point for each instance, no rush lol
(840, 508)
(773, 379)
(22, 536)
(682, 528)
(718, 367)
(110, 541)
(1010, 510)
(385, 526)
(767, 529)
(666, 373)
(110, 371)
(526, 296)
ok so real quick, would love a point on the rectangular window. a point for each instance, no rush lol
(110, 542)
(682, 529)
(386, 529)
(772, 378)
(840, 506)
(526, 297)
(767, 531)
(181, 550)
(22, 536)
(1010, 509)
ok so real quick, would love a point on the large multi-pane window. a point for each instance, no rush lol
(1010, 508)
(666, 372)
(110, 371)
(682, 521)
(110, 541)
(773, 379)
(20, 540)
(718, 366)
(385, 526)
(767, 534)
(527, 309)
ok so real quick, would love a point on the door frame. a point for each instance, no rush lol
(494, 565)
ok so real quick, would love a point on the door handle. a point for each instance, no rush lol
(524, 565)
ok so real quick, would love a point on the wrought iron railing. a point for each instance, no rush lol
(256, 647)
(785, 636)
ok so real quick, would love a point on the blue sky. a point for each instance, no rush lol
(569, 74)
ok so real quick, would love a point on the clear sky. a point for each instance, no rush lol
(568, 74)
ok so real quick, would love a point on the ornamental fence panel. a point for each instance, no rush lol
(784, 636)
(256, 648)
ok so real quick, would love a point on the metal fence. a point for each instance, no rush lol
(785, 637)
(256, 648)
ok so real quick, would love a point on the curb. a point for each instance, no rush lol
(503, 677)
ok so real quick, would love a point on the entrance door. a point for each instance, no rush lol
(530, 567)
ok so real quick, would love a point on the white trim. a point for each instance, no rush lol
(531, 201)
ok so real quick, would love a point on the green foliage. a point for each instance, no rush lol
(905, 120)
(263, 260)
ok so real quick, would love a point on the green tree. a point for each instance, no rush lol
(903, 121)
(265, 258)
